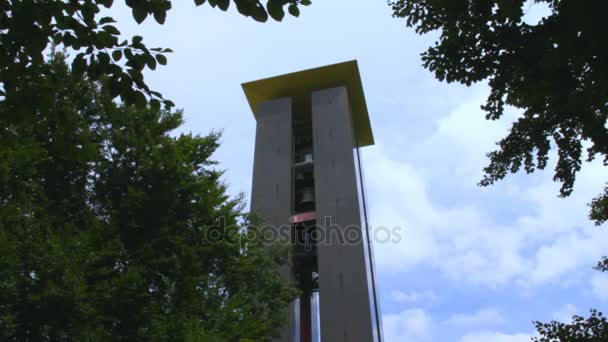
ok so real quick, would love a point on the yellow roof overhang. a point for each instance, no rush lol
(300, 83)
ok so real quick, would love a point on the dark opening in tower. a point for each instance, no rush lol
(304, 234)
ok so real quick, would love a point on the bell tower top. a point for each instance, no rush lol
(302, 83)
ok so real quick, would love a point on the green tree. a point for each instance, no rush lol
(28, 27)
(555, 71)
(112, 228)
(591, 329)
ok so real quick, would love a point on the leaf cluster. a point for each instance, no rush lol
(254, 8)
(29, 27)
(592, 329)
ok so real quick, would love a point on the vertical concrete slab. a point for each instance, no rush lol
(344, 293)
(368, 250)
(271, 188)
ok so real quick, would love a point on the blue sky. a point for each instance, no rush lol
(473, 264)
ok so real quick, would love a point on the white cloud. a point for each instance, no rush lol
(459, 240)
(408, 325)
(486, 336)
(599, 286)
(566, 253)
(565, 313)
(414, 297)
(416, 245)
(548, 241)
(482, 317)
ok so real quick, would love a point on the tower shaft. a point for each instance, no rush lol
(307, 186)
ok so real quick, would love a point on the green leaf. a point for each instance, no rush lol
(275, 9)
(199, 2)
(168, 104)
(106, 3)
(114, 86)
(103, 59)
(151, 62)
(129, 54)
(223, 4)
(161, 59)
(106, 20)
(259, 14)
(155, 104)
(111, 30)
(160, 15)
(140, 13)
(79, 64)
(140, 99)
(116, 55)
(294, 10)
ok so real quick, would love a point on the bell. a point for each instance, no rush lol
(308, 195)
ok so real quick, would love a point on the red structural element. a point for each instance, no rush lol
(305, 318)
(303, 217)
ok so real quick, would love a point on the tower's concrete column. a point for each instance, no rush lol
(344, 293)
(271, 188)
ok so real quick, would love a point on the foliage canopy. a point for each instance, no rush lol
(28, 27)
(114, 228)
(593, 328)
(555, 70)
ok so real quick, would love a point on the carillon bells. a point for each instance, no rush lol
(308, 196)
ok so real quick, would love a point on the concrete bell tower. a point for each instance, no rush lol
(307, 184)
